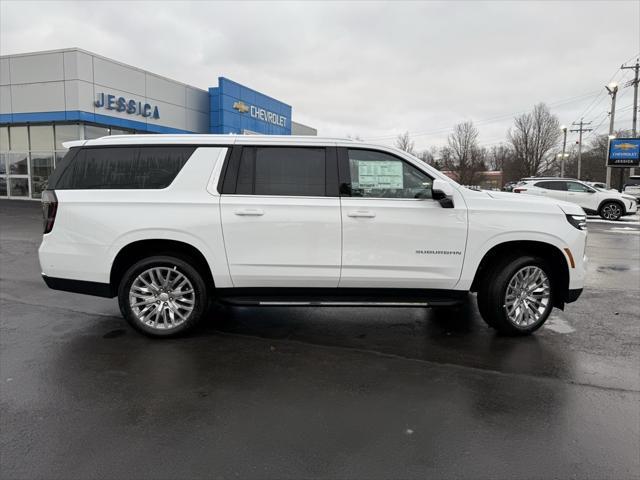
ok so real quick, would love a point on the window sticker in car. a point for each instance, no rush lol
(380, 174)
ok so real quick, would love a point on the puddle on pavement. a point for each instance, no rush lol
(557, 324)
(612, 268)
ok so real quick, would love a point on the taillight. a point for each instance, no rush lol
(518, 190)
(49, 209)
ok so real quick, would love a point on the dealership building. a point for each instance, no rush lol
(48, 98)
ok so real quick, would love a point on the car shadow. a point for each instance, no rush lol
(455, 336)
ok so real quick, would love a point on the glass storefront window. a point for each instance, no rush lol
(18, 138)
(66, 133)
(18, 163)
(19, 187)
(41, 168)
(91, 131)
(4, 139)
(3, 163)
(41, 137)
(3, 187)
(117, 131)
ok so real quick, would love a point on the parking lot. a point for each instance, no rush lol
(318, 392)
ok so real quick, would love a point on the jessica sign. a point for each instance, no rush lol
(121, 104)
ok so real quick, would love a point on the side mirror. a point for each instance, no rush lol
(442, 192)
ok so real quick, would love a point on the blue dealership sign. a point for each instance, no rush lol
(235, 108)
(624, 152)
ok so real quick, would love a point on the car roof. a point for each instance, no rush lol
(189, 139)
(540, 179)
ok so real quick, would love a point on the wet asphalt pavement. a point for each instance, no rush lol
(318, 392)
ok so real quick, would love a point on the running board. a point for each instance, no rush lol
(340, 297)
(345, 304)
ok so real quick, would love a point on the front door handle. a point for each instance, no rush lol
(361, 213)
(255, 212)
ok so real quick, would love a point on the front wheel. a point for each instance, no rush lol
(611, 211)
(516, 297)
(162, 296)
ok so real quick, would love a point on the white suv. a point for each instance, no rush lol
(609, 204)
(632, 187)
(169, 224)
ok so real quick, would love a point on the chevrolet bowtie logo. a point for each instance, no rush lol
(625, 146)
(241, 107)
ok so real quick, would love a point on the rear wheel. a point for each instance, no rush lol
(162, 296)
(516, 296)
(611, 211)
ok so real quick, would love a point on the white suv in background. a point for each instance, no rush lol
(169, 224)
(632, 187)
(609, 204)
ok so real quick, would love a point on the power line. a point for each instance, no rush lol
(489, 119)
(609, 81)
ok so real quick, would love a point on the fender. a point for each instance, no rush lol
(474, 255)
(612, 200)
(218, 266)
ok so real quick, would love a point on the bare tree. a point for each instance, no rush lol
(463, 156)
(428, 155)
(533, 136)
(404, 142)
(499, 156)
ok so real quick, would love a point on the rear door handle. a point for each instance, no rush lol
(255, 212)
(361, 213)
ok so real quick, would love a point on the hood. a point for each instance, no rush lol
(567, 207)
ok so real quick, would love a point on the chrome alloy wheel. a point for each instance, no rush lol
(528, 296)
(611, 211)
(162, 297)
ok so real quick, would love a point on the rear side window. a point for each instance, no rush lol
(562, 186)
(285, 171)
(129, 167)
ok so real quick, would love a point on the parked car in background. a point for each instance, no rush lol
(508, 187)
(609, 204)
(168, 223)
(632, 187)
(600, 185)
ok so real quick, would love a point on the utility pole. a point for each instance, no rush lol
(580, 129)
(564, 148)
(612, 88)
(636, 67)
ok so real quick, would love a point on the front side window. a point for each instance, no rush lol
(120, 167)
(380, 175)
(285, 171)
(577, 187)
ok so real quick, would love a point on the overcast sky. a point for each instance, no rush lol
(371, 69)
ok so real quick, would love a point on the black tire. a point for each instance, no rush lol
(492, 293)
(611, 211)
(199, 296)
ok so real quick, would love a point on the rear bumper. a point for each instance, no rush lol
(79, 286)
(573, 295)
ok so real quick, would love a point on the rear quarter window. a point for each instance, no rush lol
(130, 167)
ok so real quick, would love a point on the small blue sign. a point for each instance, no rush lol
(624, 152)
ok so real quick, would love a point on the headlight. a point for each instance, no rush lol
(578, 221)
